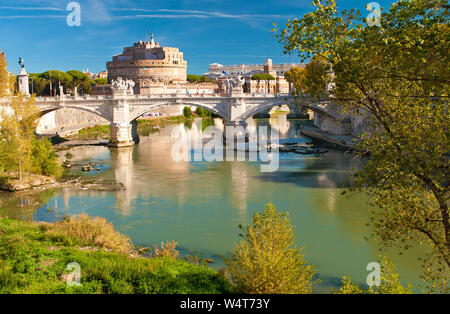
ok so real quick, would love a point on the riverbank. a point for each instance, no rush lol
(32, 183)
(341, 141)
(34, 258)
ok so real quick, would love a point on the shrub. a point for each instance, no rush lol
(267, 261)
(89, 231)
(187, 112)
(167, 249)
(203, 112)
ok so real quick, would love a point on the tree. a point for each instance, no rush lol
(267, 261)
(17, 133)
(296, 77)
(101, 81)
(203, 112)
(55, 78)
(316, 76)
(395, 76)
(4, 76)
(187, 112)
(389, 283)
(262, 77)
(192, 78)
(44, 159)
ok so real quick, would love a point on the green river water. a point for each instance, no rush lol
(200, 204)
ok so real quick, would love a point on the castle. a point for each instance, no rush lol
(154, 70)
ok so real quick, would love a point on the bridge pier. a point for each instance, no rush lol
(234, 132)
(120, 135)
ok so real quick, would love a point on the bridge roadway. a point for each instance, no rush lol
(121, 108)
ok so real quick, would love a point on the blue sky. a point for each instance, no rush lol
(206, 31)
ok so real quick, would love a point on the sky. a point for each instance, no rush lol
(206, 31)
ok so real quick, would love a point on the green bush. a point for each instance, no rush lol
(203, 112)
(44, 159)
(187, 112)
(267, 261)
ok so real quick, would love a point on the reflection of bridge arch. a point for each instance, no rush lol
(315, 106)
(214, 108)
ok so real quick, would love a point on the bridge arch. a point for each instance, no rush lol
(43, 125)
(265, 106)
(44, 111)
(213, 108)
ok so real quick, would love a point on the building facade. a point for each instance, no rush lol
(147, 63)
(216, 69)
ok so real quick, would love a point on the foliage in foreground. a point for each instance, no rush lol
(396, 77)
(19, 149)
(389, 283)
(86, 230)
(267, 261)
(31, 261)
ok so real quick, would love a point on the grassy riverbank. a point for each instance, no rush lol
(145, 127)
(94, 132)
(34, 258)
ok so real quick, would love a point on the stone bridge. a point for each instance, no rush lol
(121, 108)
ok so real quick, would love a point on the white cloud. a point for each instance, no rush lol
(192, 14)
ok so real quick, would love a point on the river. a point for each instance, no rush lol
(200, 204)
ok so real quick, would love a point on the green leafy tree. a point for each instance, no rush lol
(44, 159)
(396, 77)
(262, 77)
(316, 76)
(187, 112)
(192, 78)
(16, 134)
(81, 81)
(266, 260)
(296, 76)
(389, 283)
(55, 78)
(4, 76)
(203, 112)
(101, 81)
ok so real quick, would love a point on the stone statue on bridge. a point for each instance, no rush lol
(126, 86)
(234, 84)
(21, 63)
